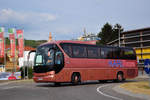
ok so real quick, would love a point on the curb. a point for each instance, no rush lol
(126, 92)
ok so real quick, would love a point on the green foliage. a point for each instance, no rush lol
(7, 41)
(30, 72)
(31, 43)
(116, 30)
(109, 33)
(105, 34)
(34, 43)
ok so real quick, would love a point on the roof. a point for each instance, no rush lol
(70, 41)
(137, 30)
(80, 42)
(27, 48)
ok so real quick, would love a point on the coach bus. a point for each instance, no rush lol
(76, 61)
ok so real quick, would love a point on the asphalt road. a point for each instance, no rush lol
(86, 91)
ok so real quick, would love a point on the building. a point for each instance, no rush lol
(19, 62)
(88, 37)
(24, 61)
(139, 39)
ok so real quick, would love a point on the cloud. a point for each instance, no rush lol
(36, 25)
(9, 16)
(63, 30)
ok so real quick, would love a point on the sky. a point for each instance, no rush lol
(66, 19)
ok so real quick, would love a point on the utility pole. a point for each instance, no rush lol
(119, 36)
(84, 30)
(4, 54)
(24, 64)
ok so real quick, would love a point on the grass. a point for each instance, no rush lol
(137, 87)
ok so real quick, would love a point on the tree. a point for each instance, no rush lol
(109, 33)
(105, 34)
(116, 30)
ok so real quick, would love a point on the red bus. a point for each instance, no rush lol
(76, 61)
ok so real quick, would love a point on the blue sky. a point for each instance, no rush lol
(67, 18)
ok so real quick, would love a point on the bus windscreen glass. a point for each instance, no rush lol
(44, 55)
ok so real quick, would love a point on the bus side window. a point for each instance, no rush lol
(116, 53)
(99, 52)
(92, 52)
(129, 54)
(106, 53)
(122, 54)
(79, 51)
(103, 53)
(67, 49)
(58, 58)
(110, 53)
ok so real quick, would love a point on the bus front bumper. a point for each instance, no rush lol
(43, 79)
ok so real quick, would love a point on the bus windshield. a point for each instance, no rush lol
(44, 55)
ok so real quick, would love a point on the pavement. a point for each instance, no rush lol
(90, 90)
(141, 95)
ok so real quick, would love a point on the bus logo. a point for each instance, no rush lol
(115, 63)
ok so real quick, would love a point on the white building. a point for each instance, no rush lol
(23, 61)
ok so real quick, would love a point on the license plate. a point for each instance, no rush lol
(40, 79)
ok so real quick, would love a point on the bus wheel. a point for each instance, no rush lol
(120, 77)
(102, 81)
(76, 78)
(56, 84)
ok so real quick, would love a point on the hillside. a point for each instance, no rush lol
(32, 43)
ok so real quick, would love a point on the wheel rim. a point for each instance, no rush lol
(120, 78)
(76, 79)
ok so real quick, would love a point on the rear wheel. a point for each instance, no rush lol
(76, 78)
(120, 77)
(102, 81)
(56, 84)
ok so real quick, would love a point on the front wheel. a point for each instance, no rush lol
(76, 79)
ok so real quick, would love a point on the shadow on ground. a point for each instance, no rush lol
(83, 83)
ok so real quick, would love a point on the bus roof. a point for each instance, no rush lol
(80, 42)
(67, 41)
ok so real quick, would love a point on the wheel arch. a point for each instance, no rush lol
(123, 75)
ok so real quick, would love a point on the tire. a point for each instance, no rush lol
(56, 84)
(76, 79)
(102, 81)
(120, 77)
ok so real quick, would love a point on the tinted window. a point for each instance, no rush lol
(106, 53)
(42, 57)
(129, 54)
(116, 53)
(89, 51)
(79, 51)
(92, 52)
(67, 49)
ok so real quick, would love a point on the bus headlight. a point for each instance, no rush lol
(51, 74)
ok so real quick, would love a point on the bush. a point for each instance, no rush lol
(30, 75)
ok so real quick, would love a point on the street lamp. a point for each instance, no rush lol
(119, 36)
